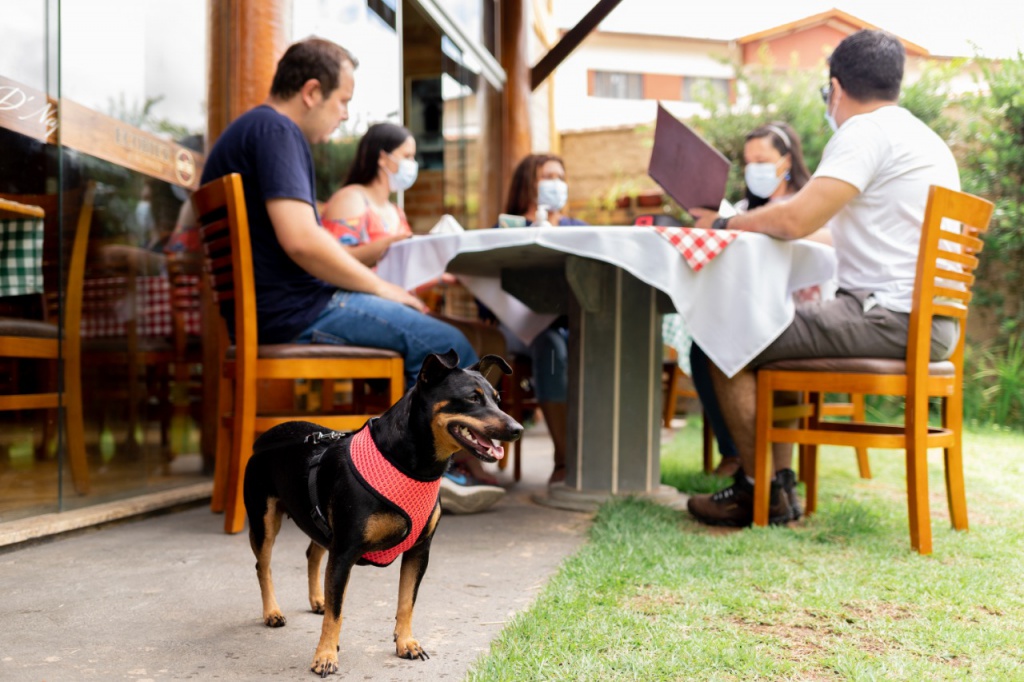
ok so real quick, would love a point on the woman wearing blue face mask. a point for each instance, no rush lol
(361, 213)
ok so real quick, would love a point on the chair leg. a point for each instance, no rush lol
(708, 444)
(671, 395)
(952, 418)
(762, 451)
(75, 424)
(917, 473)
(809, 477)
(863, 464)
(222, 458)
(517, 469)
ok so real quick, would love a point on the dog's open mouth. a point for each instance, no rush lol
(482, 447)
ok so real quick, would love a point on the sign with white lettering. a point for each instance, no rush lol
(30, 112)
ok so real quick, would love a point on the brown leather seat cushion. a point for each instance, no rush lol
(856, 366)
(284, 351)
(13, 326)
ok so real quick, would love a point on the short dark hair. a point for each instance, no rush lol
(380, 137)
(869, 65)
(522, 191)
(310, 58)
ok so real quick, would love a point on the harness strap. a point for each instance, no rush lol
(319, 520)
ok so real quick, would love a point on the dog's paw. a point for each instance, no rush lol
(411, 649)
(325, 664)
(274, 619)
(317, 605)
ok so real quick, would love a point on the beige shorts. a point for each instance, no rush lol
(853, 325)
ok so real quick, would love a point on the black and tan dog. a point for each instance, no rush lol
(364, 498)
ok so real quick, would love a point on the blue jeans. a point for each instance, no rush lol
(356, 319)
(549, 356)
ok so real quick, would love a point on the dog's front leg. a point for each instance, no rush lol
(339, 568)
(414, 565)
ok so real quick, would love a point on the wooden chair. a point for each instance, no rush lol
(945, 274)
(41, 340)
(220, 207)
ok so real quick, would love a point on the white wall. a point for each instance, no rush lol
(575, 110)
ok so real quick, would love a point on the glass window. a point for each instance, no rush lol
(696, 88)
(618, 85)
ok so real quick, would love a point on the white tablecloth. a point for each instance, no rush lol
(733, 308)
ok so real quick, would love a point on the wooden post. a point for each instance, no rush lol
(514, 59)
(245, 40)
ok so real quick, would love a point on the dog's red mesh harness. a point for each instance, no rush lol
(415, 499)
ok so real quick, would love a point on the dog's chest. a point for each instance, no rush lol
(413, 499)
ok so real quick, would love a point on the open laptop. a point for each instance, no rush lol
(689, 169)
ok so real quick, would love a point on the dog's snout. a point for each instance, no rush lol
(515, 429)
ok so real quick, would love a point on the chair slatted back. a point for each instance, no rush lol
(227, 253)
(945, 270)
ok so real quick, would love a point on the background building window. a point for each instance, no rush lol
(618, 85)
(695, 88)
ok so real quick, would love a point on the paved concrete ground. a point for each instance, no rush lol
(173, 597)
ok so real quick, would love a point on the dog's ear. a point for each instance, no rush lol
(489, 362)
(437, 367)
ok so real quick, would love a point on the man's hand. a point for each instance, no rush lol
(395, 293)
(703, 217)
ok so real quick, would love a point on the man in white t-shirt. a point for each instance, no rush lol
(870, 188)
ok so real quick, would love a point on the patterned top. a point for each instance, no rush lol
(366, 227)
(415, 499)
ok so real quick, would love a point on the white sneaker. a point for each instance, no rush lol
(463, 494)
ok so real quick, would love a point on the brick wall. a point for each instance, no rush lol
(607, 174)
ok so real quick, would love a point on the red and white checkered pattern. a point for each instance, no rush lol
(699, 247)
(106, 308)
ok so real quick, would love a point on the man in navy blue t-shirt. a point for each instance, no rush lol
(309, 288)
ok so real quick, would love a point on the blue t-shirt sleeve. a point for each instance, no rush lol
(280, 164)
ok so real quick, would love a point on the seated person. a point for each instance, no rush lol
(361, 214)
(365, 220)
(774, 171)
(871, 187)
(309, 288)
(539, 181)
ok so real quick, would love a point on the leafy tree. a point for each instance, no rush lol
(993, 167)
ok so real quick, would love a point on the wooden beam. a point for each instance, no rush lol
(570, 41)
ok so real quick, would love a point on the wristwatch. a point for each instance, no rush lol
(720, 223)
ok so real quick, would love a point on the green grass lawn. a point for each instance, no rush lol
(656, 596)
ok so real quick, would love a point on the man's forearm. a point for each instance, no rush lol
(323, 257)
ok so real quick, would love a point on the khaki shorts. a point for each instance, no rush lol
(853, 325)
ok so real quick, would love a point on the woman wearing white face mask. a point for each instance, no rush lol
(538, 186)
(539, 182)
(361, 213)
(774, 171)
(774, 165)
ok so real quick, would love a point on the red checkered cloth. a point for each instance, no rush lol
(699, 247)
(106, 308)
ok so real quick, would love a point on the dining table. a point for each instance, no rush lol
(732, 290)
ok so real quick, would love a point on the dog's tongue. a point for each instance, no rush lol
(493, 447)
